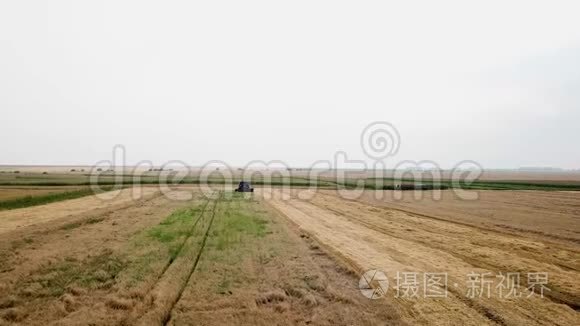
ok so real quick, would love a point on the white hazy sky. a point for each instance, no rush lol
(497, 82)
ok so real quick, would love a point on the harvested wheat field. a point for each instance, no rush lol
(177, 259)
(503, 232)
(138, 256)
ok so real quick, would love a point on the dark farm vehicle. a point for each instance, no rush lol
(244, 187)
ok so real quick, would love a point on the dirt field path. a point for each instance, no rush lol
(371, 237)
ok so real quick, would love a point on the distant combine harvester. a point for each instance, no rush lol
(244, 187)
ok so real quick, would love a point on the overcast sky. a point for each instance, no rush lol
(497, 82)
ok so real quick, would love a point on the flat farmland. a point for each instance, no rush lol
(548, 214)
(180, 259)
(283, 256)
(456, 239)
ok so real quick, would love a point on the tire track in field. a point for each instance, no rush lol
(148, 302)
(194, 267)
(172, 259)
(168, 289)
(188, 235)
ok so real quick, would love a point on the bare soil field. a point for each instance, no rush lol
(459, 240)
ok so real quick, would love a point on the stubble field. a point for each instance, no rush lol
(286, 257)
(457, 239)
